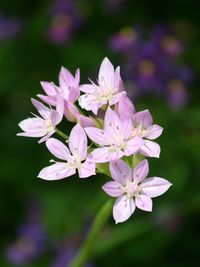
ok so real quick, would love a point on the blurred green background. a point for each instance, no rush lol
(169, 236)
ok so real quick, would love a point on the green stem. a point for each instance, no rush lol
(62, 134)
(85, 251)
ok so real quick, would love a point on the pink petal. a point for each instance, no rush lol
(143, 118)
(58, 149)
(33, 126)
(55, 118)
(56, 171)
(153, 131)
(88, 88)
(112, 123)
(46, 137)
(97, 135)
(116, 98)
(49, 88)
(141, 171)
(77, 77)
(150, 149)
(118, 83)
(78, 141)
(143, 202)
(66, 79)
(120, 171)
(133, 145)
(113, 189)
(85, 121)
(126, 127)
(44, 111)
(125, 108)
(48, 99)
(74, 93)
(87, 169)
(60, 107)
(106, 73)
(70, 111)
(100, 155)
(154, 186)
(123, 208)
(31, 134)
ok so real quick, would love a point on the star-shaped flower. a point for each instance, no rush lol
(74, 158)
(132, 188)
(43, 126)
(142, 126)
(108, 91)
(115, 139)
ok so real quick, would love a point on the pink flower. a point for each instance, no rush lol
(143, 127)
(68, 88)
(108, 91)
(72, 157)
(132, 188)
(115, 140)
(43, 126)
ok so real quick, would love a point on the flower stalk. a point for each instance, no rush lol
(83, 255)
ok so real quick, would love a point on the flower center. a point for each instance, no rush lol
(132, 189)
(139, 131)
(48, 125)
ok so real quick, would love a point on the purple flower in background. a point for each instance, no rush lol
(123, 41)
(151, 65)
(8, 27)
(166, 41)
(31, 240)
(64, 20)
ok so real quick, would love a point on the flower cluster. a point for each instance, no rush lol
(119, 137)
(151, 65)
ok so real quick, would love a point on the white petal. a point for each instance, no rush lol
(123, 209)
(153, 132)
(87, 169)
(99, 155)
(78, 141)
(97, 135)
(106, 74)
(33, 126)
(58, 149)
(155, 186)
(144, 202)
(56, 171)
(133, 145)
(150, 149)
